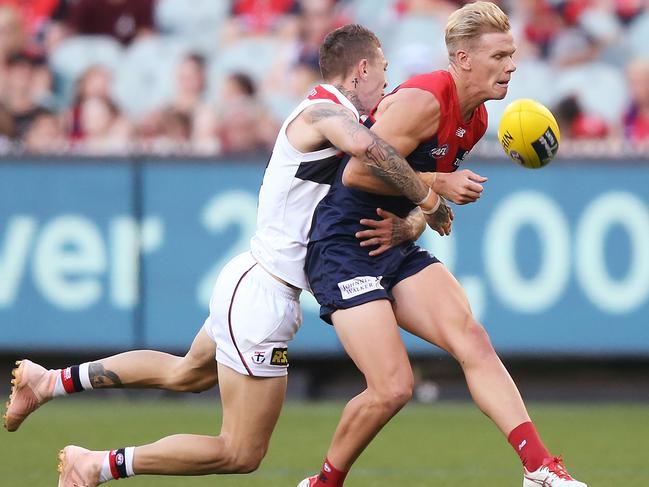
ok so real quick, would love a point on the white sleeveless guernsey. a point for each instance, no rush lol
(294, 183)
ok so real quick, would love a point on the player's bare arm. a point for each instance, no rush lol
(339, 126)
(404, 120)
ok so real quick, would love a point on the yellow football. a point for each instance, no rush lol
(529, 133)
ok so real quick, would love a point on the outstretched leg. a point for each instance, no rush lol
(432, 305)
(33, 385)
(251, 407)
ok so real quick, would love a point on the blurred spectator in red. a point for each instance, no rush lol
(627, 10)
(18, 94)
(190, 84)
(104, 129)
(95, 82)
(260, 17)
(35, 15)
(574, 123)
(636, 119)
(45, 135)
(122, 19)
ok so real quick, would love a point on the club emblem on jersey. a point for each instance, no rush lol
(258, 357)
(439, 152)
(460, 132)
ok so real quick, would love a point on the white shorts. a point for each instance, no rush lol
(252, 317)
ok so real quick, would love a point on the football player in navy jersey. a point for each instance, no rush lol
(435, 119)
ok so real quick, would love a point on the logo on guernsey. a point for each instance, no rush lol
(119, 459)
(460, 132)
(439, 152)
(359, 285)
(258, 357)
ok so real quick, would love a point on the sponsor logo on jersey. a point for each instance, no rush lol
(460, 132)
(439, 152)
(279, 357)
(258, 357)
(359, 285)
(546, 146)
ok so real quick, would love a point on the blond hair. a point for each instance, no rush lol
(468, 23)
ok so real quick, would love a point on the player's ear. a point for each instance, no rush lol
(463, 60)
(362, 69)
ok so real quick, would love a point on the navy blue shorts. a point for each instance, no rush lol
(342, 274)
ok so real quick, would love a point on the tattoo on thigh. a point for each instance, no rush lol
(102, 378)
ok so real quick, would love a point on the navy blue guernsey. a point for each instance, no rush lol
(340, 212)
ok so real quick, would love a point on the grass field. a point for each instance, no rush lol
(444, 444)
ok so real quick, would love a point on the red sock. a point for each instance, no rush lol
(527, 443)
(330, 476)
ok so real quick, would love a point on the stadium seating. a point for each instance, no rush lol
(146, 77)
(76, 54)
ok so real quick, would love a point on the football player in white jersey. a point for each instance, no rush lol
(254, 310)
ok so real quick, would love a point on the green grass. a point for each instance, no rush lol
(444, 444)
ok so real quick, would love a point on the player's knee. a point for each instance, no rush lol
(395, 393)
(245, 461)
(476, 342)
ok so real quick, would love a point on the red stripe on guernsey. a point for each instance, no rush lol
(113, 466)
(66, 379)
(319, 93)
(230, 321)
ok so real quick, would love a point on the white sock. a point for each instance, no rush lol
(58, 386)
(106, 474)
(83, 376)
(84, 380)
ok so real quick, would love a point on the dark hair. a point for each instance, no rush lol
(344, 47)
(245, 83)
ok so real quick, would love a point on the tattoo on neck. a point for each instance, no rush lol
(353, 97)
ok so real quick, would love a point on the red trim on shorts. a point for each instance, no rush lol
(230, 321)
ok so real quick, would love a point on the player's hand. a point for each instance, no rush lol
(385, 233)
(460, 187)
(442, 220)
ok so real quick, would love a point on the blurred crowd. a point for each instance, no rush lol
(213, 77)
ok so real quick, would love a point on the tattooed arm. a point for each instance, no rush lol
(339, 126)
(390, 230)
